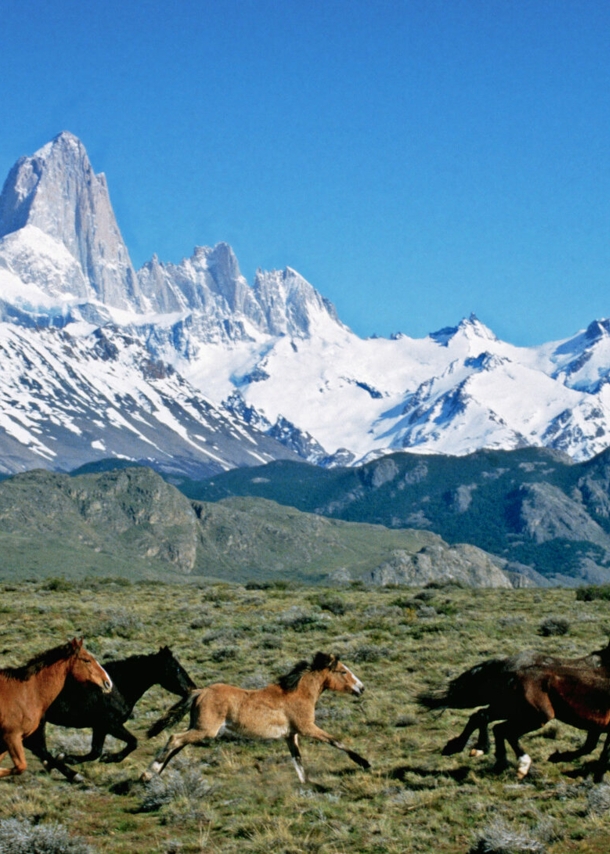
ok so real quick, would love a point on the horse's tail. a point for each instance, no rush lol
(474, 687)
(174, 714)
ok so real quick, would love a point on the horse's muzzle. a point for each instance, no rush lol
(107, 686)
(358, 690)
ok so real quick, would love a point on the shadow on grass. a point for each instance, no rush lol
(458, 774)
(587, 769)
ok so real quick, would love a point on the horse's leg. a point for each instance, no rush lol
(482, 745)
(293, 747)
(14, 744)
(603, 761)
(511, 731)
(37, 743)
(593, 736)
(97, 744)
(313, 731)
(131, 742)
(478, 720)
(174, 745)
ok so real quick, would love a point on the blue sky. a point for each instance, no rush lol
(416, 160)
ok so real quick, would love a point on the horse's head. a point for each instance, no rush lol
(171, 675)
(85, 668)
(338, 677)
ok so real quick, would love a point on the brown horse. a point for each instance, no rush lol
(282, 710)
(527, 690)
(27, 692)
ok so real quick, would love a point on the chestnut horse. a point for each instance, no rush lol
(282, 710)
(525, 691)
(27, 692)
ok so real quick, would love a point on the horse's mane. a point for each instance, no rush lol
(290, 681)
(39, 662)
(120, 664)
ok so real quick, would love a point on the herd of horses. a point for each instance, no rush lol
(67, 686)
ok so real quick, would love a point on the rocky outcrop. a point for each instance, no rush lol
(460, 564)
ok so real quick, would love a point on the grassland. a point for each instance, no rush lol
(244, 796)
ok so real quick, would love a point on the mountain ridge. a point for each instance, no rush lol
(131, 523)
(271, 363)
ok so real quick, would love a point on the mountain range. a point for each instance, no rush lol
(189, 368)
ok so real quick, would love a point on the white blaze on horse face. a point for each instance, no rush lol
(107, 686)
(357, 686)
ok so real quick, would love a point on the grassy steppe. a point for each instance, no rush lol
(244, 796)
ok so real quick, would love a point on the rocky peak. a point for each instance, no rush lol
(57, 192)
(290, 304)
(469, 328)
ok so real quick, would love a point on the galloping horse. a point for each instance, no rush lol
(79, 706)
(282, 710)
(27, 692)
(525, 691)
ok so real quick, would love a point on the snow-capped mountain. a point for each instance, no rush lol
(194, 369)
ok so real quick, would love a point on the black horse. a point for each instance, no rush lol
(106, 714)
(524, 691)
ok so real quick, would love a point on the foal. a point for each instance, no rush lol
(282, 710)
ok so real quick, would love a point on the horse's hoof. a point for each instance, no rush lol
(78, 778)
(500, 768)
(477, 752)
(598, 776)
(523, 767)
(452, 746)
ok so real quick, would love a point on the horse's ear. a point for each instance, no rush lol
(76, 643)
(322, 660)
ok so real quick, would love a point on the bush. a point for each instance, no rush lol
(334, 604)
(499, 838)
(368, 652)
(184, 784)
(554, 627)
(598, 799)
(588, 594)
(58, 585)
(22, 837)
(120, 623)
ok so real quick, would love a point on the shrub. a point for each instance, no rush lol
(19, 836)
(588, 594)
(598, 799)
(58, 585)
(368, 652)
(182, 784)
(120, 623)
(553, 627)
(224, 653)
(500, 838)
(300, 621)
(334, 604)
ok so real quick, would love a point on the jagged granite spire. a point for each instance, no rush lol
(57, 192)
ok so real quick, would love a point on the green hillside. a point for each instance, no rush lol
(130, 523)
(533, 507)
